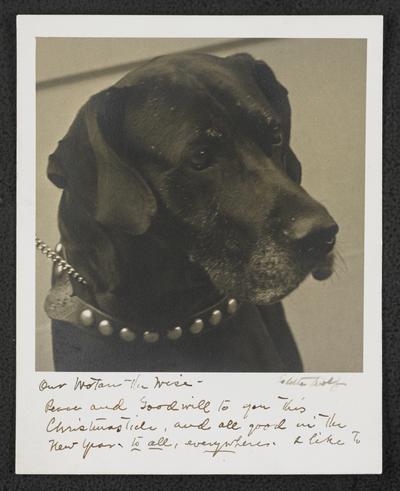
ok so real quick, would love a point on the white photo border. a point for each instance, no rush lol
(31, 26)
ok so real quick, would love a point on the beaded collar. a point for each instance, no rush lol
(61, 304)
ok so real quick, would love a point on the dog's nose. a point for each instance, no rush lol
(314, 234)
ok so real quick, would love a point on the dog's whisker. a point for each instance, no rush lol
(340, 263)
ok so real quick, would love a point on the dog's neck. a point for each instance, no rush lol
(139, 279)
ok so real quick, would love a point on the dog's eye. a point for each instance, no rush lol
(200, 160)
(276, 135)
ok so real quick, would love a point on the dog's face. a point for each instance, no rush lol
(208, 139)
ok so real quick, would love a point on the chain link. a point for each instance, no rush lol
(59, 261)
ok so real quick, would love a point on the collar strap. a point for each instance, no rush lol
(61, 304)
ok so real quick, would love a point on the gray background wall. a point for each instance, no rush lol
(326, 83)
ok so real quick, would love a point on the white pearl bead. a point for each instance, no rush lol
(127, 335)
(216, 317)
(197, 326)
(105, 328)
(232, 305)
(175, 333)
(87, 317)
(150, 337)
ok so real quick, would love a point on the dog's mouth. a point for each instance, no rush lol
(268, 271)
(324, 269)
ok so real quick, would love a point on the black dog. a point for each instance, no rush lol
(183, 211)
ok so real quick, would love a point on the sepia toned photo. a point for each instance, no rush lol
(200, 204)
(199, 245)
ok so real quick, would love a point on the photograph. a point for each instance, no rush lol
(200, 204)
(199, 245)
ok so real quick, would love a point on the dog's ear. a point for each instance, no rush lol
(292, 166)
(89, 162)
(277, 96)
(275, 92)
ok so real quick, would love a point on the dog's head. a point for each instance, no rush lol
(201, 143)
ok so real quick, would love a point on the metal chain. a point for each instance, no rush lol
(59, 261)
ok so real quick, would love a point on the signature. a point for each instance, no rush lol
(312, 381)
